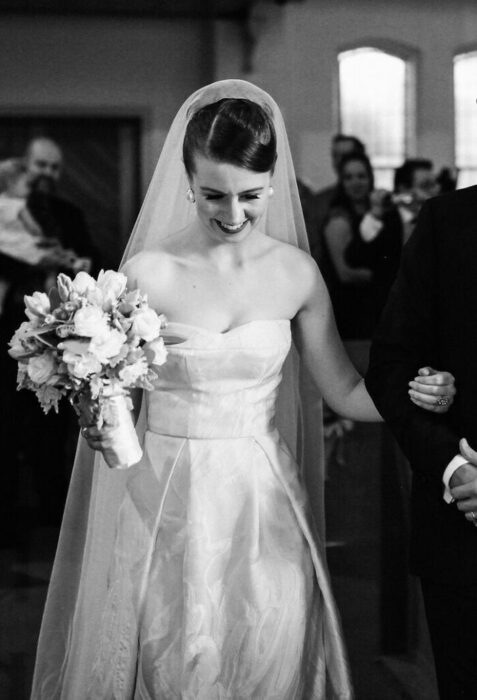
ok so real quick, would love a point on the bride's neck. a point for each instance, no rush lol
(222, 253)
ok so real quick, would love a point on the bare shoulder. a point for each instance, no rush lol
(296, 263)
(299, 271)
(146, 267)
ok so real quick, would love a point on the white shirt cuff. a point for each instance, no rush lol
(369, 227)
(453, 465)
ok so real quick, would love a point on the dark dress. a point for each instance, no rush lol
(358, 307)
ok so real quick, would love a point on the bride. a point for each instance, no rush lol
(199, 573)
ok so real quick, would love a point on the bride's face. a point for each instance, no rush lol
(230, 200)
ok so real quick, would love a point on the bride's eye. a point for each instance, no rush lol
(251, 196)
(213, 196)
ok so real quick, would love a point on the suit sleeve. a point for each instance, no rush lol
(406, 339)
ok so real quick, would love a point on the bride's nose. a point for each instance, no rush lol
(233, 211)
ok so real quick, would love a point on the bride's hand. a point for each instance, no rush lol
(97, 438)
(93, 436)
(433, 390)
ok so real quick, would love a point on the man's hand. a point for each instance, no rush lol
(433, 390)
(381, 203)
(463, 483)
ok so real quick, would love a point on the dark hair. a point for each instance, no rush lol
(404, 175)
(361, 158)
(358, 146)
(232, 130)
(447, 179)
(341, 201)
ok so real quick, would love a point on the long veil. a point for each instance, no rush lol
(79, 579)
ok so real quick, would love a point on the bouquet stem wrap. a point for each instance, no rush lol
(122, 448)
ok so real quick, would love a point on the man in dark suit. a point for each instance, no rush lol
(431, 314)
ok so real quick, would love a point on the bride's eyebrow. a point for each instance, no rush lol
(214, 191)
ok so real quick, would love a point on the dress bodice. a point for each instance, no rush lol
(220, 384)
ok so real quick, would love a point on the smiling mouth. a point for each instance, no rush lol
(227, 228)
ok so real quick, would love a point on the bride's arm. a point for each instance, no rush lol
(322, 350)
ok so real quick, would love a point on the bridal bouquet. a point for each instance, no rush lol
(91, 341)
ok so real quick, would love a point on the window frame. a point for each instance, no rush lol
(464, 51)
(410, 56)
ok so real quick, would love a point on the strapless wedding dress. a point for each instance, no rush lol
(217, 588)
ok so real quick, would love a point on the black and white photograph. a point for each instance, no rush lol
(238, 350)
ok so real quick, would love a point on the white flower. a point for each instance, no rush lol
(131, 373)
(107, 345)
(130, 301)
(65, 286)
(145, 323)
(79, 360)
(156, 352)
(41, 368)
(90, 322)
(112, 285)
(37, 305)
(83, 282)
(84, 365)
(22, 342)
(73, 347)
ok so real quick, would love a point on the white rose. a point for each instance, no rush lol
(90, 321)
(156, 352)
(84, 365)
(41, 368)
(94, 296)
(64, 285)
(37, 305)
(79, 360)
(107, 345)
(145, 323)
(112, 285)
(82, 282)
(131, 300)
(131, 373)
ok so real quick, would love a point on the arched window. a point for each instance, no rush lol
(375, 104)
(465, 107)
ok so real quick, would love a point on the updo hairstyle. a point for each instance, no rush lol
(360, 158)
(232, 130)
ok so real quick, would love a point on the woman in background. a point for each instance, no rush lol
(361, 264)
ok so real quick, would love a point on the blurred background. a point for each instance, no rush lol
(377, 95)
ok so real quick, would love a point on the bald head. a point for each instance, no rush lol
(44, 161)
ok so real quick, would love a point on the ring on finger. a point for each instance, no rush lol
(442, 401)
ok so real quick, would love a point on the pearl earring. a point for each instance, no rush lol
(271, 191)
(190, 196)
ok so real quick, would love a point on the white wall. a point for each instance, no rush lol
(149, 66)
(295, 59)
(102, 66)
